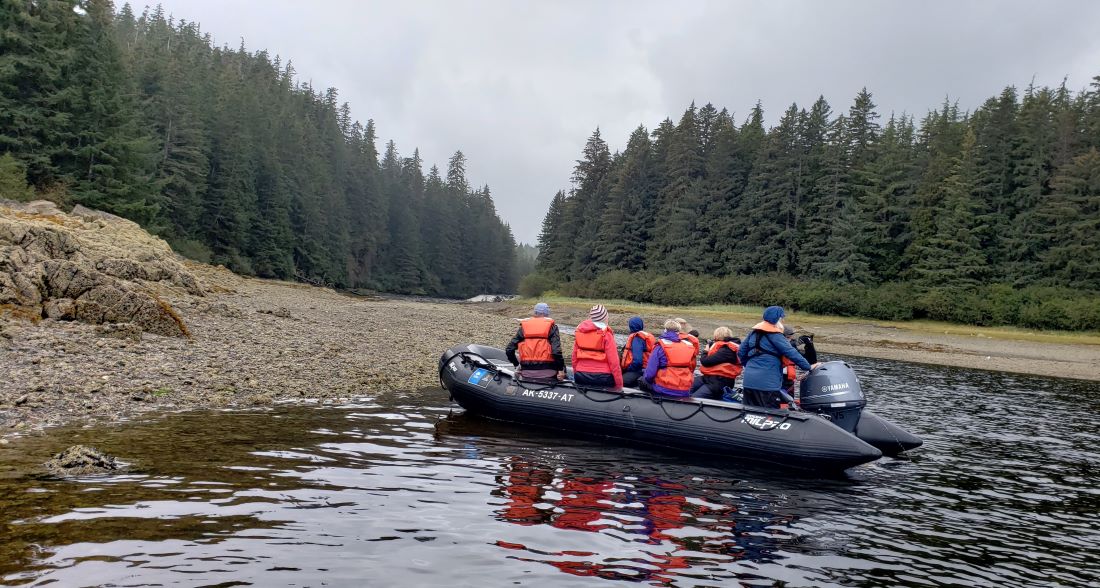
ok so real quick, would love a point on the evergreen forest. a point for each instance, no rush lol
(230, 158)
(990, 216)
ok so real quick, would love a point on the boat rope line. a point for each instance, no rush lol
(660, 402)
(737, 415)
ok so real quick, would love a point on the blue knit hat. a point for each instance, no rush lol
(542, 309)
(773, 314)
(635, 323)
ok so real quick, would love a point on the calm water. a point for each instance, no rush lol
(399, 492)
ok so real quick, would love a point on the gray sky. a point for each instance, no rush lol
(518, 85)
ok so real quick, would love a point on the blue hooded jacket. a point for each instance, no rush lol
(764, 370)
(637, 346)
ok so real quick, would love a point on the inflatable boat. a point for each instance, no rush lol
(832, 431)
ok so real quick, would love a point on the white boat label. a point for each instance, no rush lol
(549, 395)
(765, 423)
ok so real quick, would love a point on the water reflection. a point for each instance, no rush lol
(676, 530)
(400, 492)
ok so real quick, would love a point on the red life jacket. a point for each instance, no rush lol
(680, 371)
(723, 370)
(535, 347)
(590, 345)
(628, 351)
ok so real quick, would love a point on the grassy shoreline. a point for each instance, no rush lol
(748, 313)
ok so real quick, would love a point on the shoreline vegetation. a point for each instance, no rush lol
(746, 313)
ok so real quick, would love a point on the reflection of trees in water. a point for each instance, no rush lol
(671, 516)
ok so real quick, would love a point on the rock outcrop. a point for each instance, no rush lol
(81, 460)
(87, 266)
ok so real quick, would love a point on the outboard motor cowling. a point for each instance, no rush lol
(832, 390)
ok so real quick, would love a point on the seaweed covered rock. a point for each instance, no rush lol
(81, 460)
(88, 266)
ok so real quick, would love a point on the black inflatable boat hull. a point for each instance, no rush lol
(479, 379)
(889, 438)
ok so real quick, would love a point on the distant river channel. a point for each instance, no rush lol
(405, 490)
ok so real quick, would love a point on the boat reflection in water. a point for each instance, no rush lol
(670, 530)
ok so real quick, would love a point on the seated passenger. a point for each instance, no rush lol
(671, 367)
(720, 366)
(539, 346)
(595, 357)
(769, 359)
(636, 351)
(686, 332)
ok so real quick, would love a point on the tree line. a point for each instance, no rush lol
(227, 156)
(989, 217)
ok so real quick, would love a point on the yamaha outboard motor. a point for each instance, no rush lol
(833, 391)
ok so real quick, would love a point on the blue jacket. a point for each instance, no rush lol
(658, 360)
(637, 349)
(763, 371)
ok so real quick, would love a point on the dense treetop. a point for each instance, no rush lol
(1008, 194)
(225, 154)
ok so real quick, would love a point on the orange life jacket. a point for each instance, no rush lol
(680, 371)
(590, 345)
(535, 347)
(628, 351)
(694, 343)
(789, 370)
(723, 370)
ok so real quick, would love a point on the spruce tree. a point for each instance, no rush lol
(554, 250)
(592, 184)
(951, 255)
(679, 244)
(107, 156)
(1072, 218)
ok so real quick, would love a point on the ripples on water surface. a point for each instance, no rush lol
(398, 493)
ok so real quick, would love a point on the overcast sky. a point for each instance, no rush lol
(518, 85)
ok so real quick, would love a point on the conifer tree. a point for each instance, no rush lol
(592, 184)
(678, 245)
(107, 155)
(951, 255)
(1072, 218)
(769, 212)
(554, 251)
(37, 48)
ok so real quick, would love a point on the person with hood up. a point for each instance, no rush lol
(671, 367)
(539, 346)
(766, 355)
(595, 356)
(639, 345)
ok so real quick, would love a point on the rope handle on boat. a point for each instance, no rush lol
(739, 415)
(660, 402)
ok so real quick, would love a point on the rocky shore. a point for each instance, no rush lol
(101, 321)
(239, 341)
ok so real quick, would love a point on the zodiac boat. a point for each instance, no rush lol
(832, 431)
